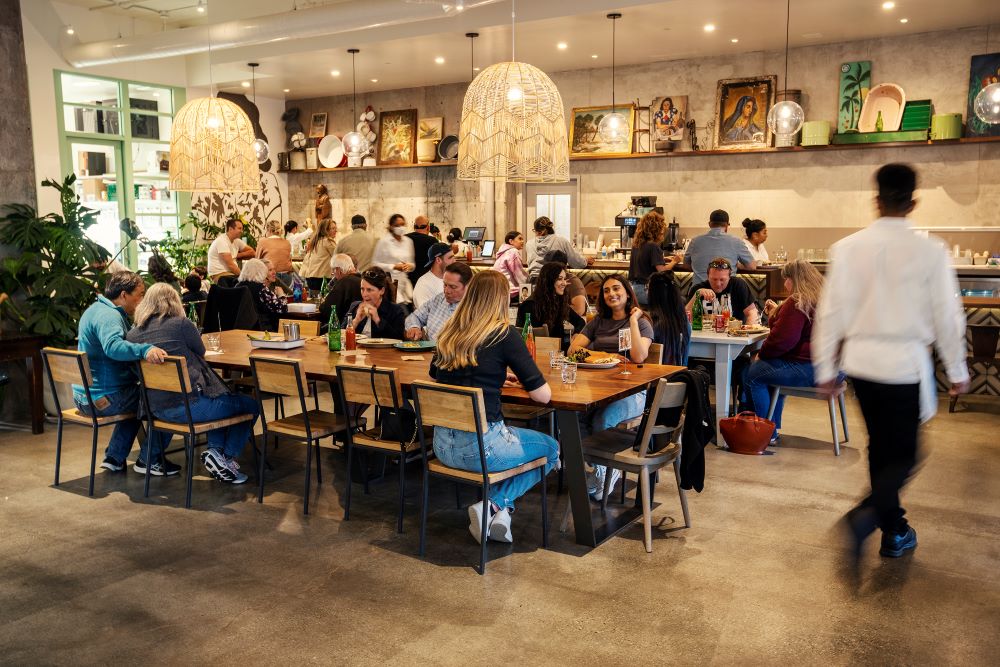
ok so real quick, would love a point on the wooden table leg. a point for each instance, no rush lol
(37, 406)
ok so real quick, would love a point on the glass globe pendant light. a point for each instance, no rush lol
(987, 103)
(613, 128)
(355, 144)
(260, 148)
(785, 118)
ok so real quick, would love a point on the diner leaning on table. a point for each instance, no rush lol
(575, 289)
(617, 310)
(377, 314)
(160, 321)
(258, 277)
(671, 327)
(785, 358)
(479, 348)
(435, 313)
(720, 282)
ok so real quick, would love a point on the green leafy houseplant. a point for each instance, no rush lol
(55, 270)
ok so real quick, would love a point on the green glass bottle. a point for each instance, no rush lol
(324, 289)
(696, 313)
(879, 124)
(333, 331)
(526, 329)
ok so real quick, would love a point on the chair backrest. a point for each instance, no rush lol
(277, 375)
(230, 308)
(68, 366)
(655, 355)
(460, 408)
(544, 345)
(306, 327)
(171, 375)
(356, 385)
(540, 332)
(984, 340)
(667, 395)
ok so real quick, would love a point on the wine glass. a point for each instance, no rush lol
(624, 345)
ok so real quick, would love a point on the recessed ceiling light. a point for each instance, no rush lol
(888, 5)
(594, 56)
(286, 90)
(562, 46)
(245, 84)
(69, 30)
(156, 94)
(475, 69)
(734, 40)
(374, 80)
(439, 60)
(335, 72)
(904, 20)
(201, 7)
(709, 27)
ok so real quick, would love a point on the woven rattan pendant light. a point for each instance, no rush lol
(513, 126)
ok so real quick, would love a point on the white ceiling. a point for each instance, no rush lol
(648, 31)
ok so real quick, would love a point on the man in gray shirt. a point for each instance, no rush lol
(716, 243)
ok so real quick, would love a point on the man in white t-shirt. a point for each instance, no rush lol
(431, 283)
(226, 249)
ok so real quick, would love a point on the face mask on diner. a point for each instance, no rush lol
(398, 231)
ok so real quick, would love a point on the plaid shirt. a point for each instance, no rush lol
(432, 315)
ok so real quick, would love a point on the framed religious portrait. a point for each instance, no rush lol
(668, 116)
(584, 138)
(397, 137)
(317, 126)
(741, 107)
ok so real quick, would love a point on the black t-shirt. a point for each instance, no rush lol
(528, 306)
(643, 262)
(421, 244)
(344, 292)
(738, 291)
(490, 372)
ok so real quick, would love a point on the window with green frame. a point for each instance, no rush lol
(115, 136)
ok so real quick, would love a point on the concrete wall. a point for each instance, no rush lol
(808, 200)
(17, 167)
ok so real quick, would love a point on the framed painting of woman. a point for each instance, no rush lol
(741, 107)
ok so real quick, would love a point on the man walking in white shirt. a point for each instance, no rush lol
(889, 295)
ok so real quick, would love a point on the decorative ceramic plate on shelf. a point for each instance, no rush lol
(331, 151)
(378, 342)
(416, 345)
(448, 148)
(607, 364)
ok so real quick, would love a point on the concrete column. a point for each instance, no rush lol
(17, 165)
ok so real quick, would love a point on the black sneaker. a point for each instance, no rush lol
(112, 464)
(895, 545)
(158, 469)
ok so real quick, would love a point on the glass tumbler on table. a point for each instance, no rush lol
(568, 372)
(555, 358)
(213, 342)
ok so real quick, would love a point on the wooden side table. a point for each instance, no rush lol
(17, 346)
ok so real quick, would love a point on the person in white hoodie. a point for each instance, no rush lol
(546, 241)
(890, 294)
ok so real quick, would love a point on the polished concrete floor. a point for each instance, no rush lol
(118, 579)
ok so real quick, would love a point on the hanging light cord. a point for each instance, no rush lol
(513, 13)
(472, 57)
(614, 24)
(788, 14)
(253, 79)
(354, 85)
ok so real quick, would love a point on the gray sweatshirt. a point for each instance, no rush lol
(540, 246)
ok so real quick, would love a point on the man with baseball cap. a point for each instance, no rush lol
(716, 243)
(431, 283)
(358, 244)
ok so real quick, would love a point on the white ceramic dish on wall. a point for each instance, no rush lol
(890, 100)
(331, 151)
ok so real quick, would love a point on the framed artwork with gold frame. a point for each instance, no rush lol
(585, 140)
(397, 137)
(741, 107)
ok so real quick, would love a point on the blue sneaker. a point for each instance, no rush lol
(895, 545)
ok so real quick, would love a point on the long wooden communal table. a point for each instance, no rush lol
(593, 389)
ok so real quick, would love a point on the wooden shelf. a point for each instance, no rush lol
(692, 154)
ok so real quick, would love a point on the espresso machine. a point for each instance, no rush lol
(672, 239)
(627, 220)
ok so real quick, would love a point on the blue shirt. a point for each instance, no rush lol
(716, 243)
(102, 336)
(432, 314)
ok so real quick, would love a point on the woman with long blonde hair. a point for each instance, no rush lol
(320, 249)
(785, 358)
(160, 321)
(646, 258)
(475, 349)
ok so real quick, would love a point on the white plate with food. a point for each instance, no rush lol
(378, 342)
(748, 331)
(599, 361)
(275, 342)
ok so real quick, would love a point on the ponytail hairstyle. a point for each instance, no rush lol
(544, 226)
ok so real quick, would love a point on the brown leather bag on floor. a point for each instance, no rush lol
(746, 433)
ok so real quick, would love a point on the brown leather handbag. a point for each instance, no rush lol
(746, 433)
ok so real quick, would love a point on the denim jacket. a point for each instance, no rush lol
(102, 336)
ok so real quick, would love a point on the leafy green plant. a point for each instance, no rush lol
(55, 271)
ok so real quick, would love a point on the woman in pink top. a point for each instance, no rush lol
(509, 263)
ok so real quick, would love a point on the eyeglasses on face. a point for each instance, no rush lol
(720, 264)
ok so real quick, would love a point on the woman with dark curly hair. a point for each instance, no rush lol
(549, 303)
(647, 257)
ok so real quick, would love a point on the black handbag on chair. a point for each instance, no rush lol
(395, 424)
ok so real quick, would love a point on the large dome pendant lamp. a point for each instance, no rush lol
(513, 126)
(613, 128)
(987, 103)
(785, 118)
(355, 144)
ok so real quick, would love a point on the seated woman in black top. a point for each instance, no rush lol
(646, 258)
(269, 305)
(377, 315)
(549, 303)
(474, 349)
(670, 323)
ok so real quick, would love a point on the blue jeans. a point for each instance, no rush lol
(505, 447)
(229, 439)
(614, 413)
(759, 377)
(120, 445)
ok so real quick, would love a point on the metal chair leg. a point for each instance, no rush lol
(680, 492)
(93, 462)
(189, 455)
(59, 434)
(305, 498)
(833, 428)
(260, 469)
(484, 535)
(647, 511)
(423, 510)
(458, 499)
(347, 494)
(607, 489)
(545, 509)
(319, 468)
(775, 393)
(843, 416)
(402, 492)
(149, 464)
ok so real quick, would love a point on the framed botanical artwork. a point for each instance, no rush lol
(741, 107)
(855, 82)
(397, 137)
(430, 128)
(985, 70)
(584, 139)
(317, 126)
(669, 115)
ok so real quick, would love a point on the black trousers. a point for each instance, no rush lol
(892, 416)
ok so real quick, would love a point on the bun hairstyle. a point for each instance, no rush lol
(753, 226)
(543, 224)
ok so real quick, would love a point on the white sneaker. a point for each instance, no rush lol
(476, 520)
(500, 527)
(616, 475)
(595, 482)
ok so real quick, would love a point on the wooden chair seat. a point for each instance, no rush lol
(78, 417)
(370, 440)
(616, 446)
(436, 467)
(813, 393)
(200, 427)
(525, 413)
(321, 423)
